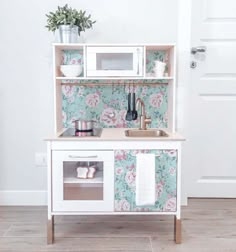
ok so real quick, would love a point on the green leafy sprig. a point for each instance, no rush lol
(67, 16)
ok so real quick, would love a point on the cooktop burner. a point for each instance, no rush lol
(71, 132)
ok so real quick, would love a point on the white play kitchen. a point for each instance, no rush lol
(115, 149)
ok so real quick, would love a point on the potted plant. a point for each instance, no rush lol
(70, 23)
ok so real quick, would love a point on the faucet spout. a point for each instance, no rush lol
(140, 101)
(143, 119)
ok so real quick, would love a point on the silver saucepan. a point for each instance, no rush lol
(84, 125)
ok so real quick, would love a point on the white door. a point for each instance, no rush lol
(210, 148)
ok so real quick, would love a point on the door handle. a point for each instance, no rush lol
(198, 49)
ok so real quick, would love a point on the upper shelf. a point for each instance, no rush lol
(115, 61)
(113, 78)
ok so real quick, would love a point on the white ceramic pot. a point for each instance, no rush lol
(159, 68)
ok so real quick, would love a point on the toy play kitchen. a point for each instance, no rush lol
(126, 158)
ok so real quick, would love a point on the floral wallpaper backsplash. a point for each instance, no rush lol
(108, 104)
(125, 177)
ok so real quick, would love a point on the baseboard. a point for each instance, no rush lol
(23, 198)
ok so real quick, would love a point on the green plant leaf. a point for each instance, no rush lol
(67, 15)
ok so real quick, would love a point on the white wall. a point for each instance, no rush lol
(26, 76)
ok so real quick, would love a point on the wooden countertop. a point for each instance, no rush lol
(118, 134)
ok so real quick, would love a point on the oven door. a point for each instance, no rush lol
(116, 61)
(82, 181)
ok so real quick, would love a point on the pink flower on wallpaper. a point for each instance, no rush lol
(130, 178)
(92, 100)
(170, 205)
(68, 91)
(64, 116)
(71, 99)
(165, 119)
(98, 92)
(119, 170)
(121, 119)
(135, 152)
(156, 100)
(71, 122)
(82, 113)
(144, 91)
(120, 155)
(124, 205)
(159, 190)
(80, 92)
(171, 153)
(172, 171)
(109, 117)
(73, 62)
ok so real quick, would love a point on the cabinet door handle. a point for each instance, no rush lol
(74, 156)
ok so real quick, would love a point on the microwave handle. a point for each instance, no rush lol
(138, 61)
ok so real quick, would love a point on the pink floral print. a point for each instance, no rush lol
(119, 170)
(156, 100)
(125, 180)
(130, 178)
(172, 171)
(122, 205)
(64, 117)
(170, 205)
(109, 117)
(171, 153)
(80, 92)
(92, 100)
(120, 155)
(68, 90)
(159, 190)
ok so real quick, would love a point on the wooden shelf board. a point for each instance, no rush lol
(114, 78)
(98, 179)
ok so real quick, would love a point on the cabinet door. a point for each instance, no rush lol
(70, 192)
(165, 180)
(107, 61)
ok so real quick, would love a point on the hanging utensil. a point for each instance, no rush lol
(134, 111)
(129, 115)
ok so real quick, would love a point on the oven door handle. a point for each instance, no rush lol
(75, 156)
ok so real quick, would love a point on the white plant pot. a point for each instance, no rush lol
(159, 68)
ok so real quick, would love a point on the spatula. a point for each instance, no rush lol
(129, 114)
(134, 111)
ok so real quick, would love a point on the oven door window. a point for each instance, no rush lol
(83, 180)
(114, 61)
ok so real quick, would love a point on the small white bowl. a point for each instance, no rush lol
(71, 70)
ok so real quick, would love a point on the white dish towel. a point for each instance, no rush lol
(145, 179)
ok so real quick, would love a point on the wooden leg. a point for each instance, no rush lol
(177, 230)
(51, 230)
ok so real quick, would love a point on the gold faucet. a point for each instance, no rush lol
(143, 119)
